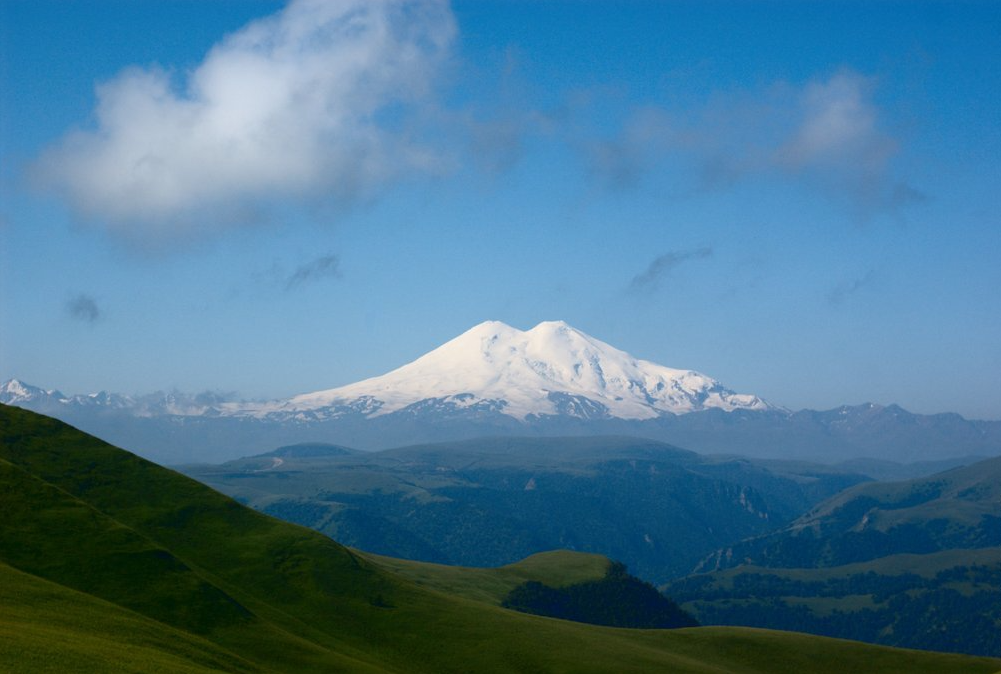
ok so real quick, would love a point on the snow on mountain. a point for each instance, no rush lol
(550, 369)
(14, 391)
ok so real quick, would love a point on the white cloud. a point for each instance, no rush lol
(311, 101)
(838, 140)
(836, 120)
(826, 131)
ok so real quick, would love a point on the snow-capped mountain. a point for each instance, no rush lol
(552, 369)
(495, 380)
(16, 392)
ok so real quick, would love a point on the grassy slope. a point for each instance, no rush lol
(288, 599)
(556, 569)
(46, 627)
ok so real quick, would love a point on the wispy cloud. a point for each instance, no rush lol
(310, 103)
(662, 265)
(827, 133)
(844, 291)
(278, 276)
(325, 266)
(621, 161)
(838, 142)
(83, 308)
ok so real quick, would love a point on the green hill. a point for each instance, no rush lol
(557, 568)
(618, 599)
(111, 563)
(570, 585)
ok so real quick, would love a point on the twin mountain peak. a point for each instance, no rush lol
(550, 369)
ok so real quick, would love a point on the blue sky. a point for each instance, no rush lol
(799, 199)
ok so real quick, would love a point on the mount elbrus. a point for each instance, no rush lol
(497, 380)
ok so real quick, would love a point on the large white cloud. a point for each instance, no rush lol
(311, 101)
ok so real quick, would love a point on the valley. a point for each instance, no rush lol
(490, 502)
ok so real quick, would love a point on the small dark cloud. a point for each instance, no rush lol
(621, 162)
(617, 165)
(83, 308)
(841, 293)
(497, 145)
(325, 266)
(904, 194)
(662, 265)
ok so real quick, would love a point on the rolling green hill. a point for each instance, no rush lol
(589, 577)
(111, 563)
(557, 568)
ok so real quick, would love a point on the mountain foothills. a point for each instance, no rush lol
(111, 563)
(914, 563)
(812, 548)
(490, 502)
(497, 380)
(959, 508)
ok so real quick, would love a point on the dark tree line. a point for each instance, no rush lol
(617, 600)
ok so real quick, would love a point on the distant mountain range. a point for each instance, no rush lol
(497, 380)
